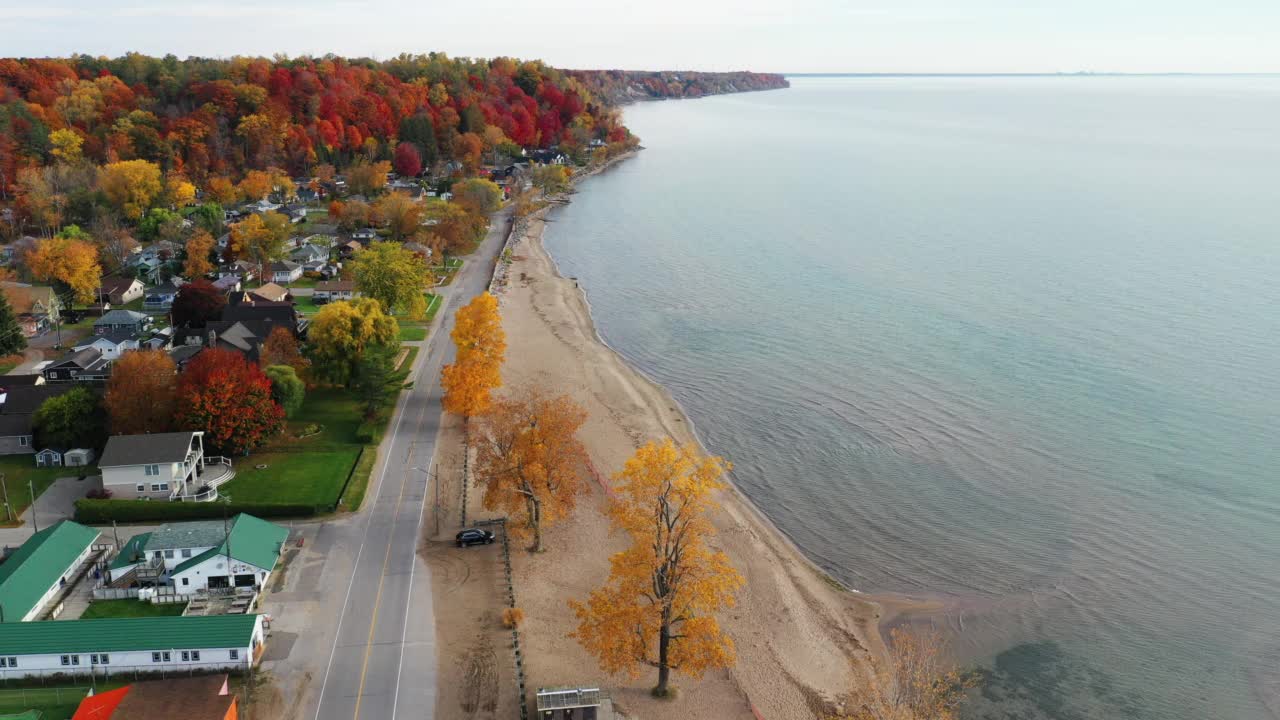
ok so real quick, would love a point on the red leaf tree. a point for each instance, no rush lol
(408, 161)
(197, 303)
(229, 398)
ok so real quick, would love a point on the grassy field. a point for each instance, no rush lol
(18, 471)
(306, 305)
(412, 333)
(51, 703)
(130, 609)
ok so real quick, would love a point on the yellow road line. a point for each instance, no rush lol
(377, 598)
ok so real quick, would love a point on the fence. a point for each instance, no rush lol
(13, 682)
(162, 594)
(515, 628)
(20, 700)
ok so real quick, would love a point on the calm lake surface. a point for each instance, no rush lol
(1014, 343)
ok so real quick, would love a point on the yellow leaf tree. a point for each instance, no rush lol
(394, 276)
(528, 459)
(131, 186)
(199, 246)
(915, 682)
(342, 332)
(399, 213)
(180, 192)
(657, 608)
(71, 263)
(66, 145)
(260, 238)
(476, 371)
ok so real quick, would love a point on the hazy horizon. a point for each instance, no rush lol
(807, 36)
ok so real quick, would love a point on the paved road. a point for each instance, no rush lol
(381, 663)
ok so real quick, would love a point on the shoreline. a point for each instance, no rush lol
(802, 638)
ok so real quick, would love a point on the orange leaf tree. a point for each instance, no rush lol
(140, 394)
(476, 371)
(658, 606)
(229, 398)
(528, 460)
(199, 248)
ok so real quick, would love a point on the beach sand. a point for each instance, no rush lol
(801, 639)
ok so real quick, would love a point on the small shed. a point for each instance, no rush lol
(49, 457)
(564, 703)
(79, 457)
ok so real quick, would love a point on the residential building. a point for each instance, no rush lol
(162, 466)
(119, 291)
(160, 297)
(148, 644)
(365, 234)
(334, 290)
(223, 334)
(198, 556)
(111, 345)
(121, 321)
(32, 576)
(87, 365)
(263, 317)
(227, 283)
(17, 404)
(349, 248)
(285, 271)
(270, 292)
(36, 307)
(62, 457)
(182, 354)
(201, 697)
(309, 254)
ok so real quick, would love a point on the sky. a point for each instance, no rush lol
(763, 35)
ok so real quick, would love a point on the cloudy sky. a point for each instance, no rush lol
(773, 35)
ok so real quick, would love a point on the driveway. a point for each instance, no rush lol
(58, 502)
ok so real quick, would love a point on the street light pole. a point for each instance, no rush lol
(35, 522)
(8, 509)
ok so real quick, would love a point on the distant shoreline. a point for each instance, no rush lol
(1023, 75)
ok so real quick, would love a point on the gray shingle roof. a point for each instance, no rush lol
(121, 317)
(146, 449)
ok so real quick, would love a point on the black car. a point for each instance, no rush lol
(473, 536)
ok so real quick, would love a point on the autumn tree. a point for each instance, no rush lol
(199, 250)
(255, 185)
(476, 370)
(229, 398)
(196, 303)
(458, 227)
(351, 215)
(131, 186)
(341, 333)
(141, 392)
(399, 213)
(70, 263)
(12, 339)
(915, 682)
(71, 420)
(528, 460)
(178, 191)
(658, 606)
(115, 244)
(281, 348)
(408, 159)
(260, 238)
(368, 178)
(394, 276)
(66, 145)
(160, 224)
(551, 179)
(478, 195)
(287, 389)
(223, 191)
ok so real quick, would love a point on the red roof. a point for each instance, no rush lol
(101, 705)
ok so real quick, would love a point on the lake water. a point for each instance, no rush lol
(1014, 343)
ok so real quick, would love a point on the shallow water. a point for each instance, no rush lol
(1013, 342)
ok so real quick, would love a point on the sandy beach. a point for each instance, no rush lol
(801, 639)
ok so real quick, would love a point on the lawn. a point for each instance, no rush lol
(412, 333)
(449, 270)
(314, 477)
(305, 304)
(51, 703)
(406, 362)
(9, 363)
(130, 609)
(18, 471)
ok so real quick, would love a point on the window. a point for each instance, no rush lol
(195, 656)
(186, 581)
(93, 659)
(155, 657)
(24, 440)
(142, 487)
(158, 555)
(166, 655)
(75, 659)
(100, 659)
(233, 653)
(66, 659)
(186, 656)
(13, 661)
(168, 554)
(186, 552)
(151, 470)
(164, 486)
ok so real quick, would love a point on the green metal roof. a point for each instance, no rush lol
(133, 551)
(253, 541)
(36, 566)
(28, 715)
(125, 634)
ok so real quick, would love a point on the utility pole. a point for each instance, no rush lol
(8, 509)
(35, 522)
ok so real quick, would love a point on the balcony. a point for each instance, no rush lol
(212, 472)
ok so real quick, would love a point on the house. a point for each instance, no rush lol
(309, 254)
(182, 354)
(193, 556)
(418, 249)
(173, 644)
(36, 307)
(285, 271)
(36, 571)
(150, 259)
(200, 697)
(263, 317)
(17, 404)
(271, 292)
(227, 283)
(365, 234)
(349, 248)
(162, 466)
(334, 290)
(225, 335)
(121, 321)
(160, 297)
(119, 291)
(50, 457)
(111, 345)
(87, 365)
(263, 206)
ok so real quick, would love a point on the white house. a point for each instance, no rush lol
(285, 271)
(162, 466)
(111, 345)
(32, 576)
(127, 645)
(160, 297)
(195, 556)
(334, 290)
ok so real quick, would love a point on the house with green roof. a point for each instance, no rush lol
(196, 556)
(191, 643)
(31, 577)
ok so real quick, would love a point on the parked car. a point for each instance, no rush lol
(473, 536)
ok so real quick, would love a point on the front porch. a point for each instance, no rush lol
(202, 484)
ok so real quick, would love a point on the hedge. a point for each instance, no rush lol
(100, 512)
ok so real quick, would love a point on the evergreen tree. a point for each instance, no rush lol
(12, 341)
(377, 381)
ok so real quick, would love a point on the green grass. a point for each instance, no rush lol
(433, 306)
(130, 609)
(306, 305)
(406, 363)
(449, 269)
(7, 366)
(412, 333)
(314, 477)
(19, 470)
(334, 409)
(53, 703)
(359, 484)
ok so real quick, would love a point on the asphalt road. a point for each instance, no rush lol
(381, 663)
